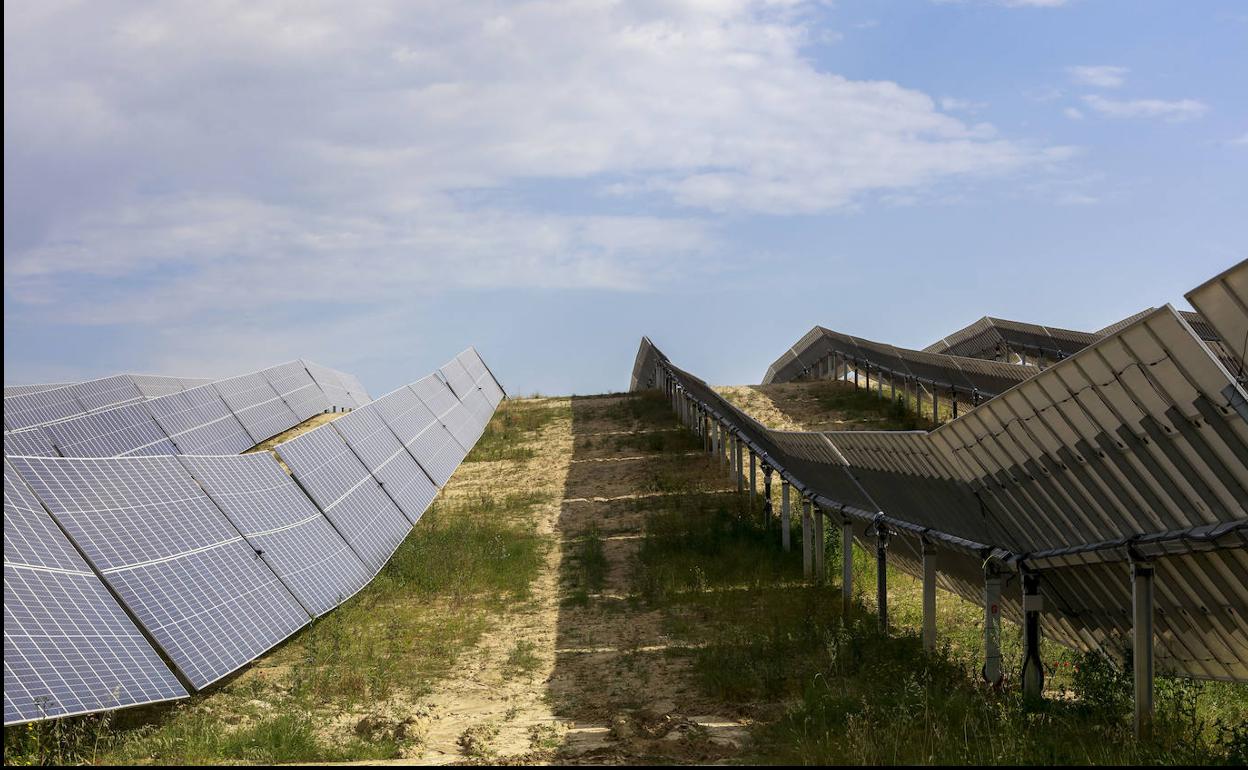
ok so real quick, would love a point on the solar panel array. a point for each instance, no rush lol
(1135, 447)
(257, 405)
(119, 569)
(18, 390)
(26, 406)
(69, 648)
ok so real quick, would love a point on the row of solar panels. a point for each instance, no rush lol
(31, 405)
(1135, 447)
(18, 390)
(129, 580)
(222, 417)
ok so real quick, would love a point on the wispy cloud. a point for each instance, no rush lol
(1174, 111)
(1098, 76)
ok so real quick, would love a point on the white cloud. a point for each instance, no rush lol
(1240, 141)
(1072, 113)
(1174, 111)
(317, 150)
(1098, 76)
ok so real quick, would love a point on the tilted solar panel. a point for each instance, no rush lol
(106, 392)
(400, 476)
(200, 423)
(122, 430)
(282, 524)
(155, 385)
(33, 442)
(458, 378)
(68, 646)
(421, 432)
(346, 493)
(171, 556)
(355, 388)
(297, 388)
(331, 385)
(481, 374)
(42, 407)
(256, 405)
(19, 390)
(441, 400)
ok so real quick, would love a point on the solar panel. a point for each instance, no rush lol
(458, 378)
(346, 493)
(155, 385)
(200, 423)
(18, 390)
(31, 409)
(421, 432)
(400, 476)
(106, 392)
(256, 405)
(355, 389)
(68, 646)
(331, 385)
(171, 556)
(281, 523)
(481, 374)
(297, 389)
(33, 442)
(122, 430)
(439, 398)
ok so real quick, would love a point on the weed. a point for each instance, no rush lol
(522, 659)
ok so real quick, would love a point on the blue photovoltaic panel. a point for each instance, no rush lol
(200, 423)
(421, 432)
(388, 460)
(19, 390)
(256, 405)
(38, 408)
(278, 520)
(155, 385)
(33, 442)
(347, 493)
(458, 378)
(106, 392)
(469, 395)
(68, 646)
(355, 388)
(297, 389)
(171, 556)
(481, 374)
(121, 430)
(331, 385)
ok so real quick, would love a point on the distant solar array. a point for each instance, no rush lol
(1123, 464)
(152, 415)
(135, 579)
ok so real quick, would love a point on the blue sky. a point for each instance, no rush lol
(205, 189)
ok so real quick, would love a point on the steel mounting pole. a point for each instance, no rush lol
(1142, 576)
(785, 535)
(1033, 668)
(929, 595)
(992, 623)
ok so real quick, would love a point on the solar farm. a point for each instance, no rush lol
(1022, 544)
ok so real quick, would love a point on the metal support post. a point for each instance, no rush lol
(753, 478)
(929, 595)
(740, 447)
(1142, 575)
(992, 624)
(767, 509)
(881, 571)
(1033, 668)
(808, 550)
(847, 565)
(821, 546)
(785, 536)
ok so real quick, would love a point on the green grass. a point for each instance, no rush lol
(827, 689)
(522, 659)
(514, 424)
(864, 405)
(467, 558)
(585, 572)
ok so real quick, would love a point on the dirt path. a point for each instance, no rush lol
(600, 682)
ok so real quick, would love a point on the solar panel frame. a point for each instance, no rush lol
(173, 559)
(257, 405)
(400, 475)
(69, 648)
(199, 422)
(297, 388)
(277, 518)
(346, 493)
(421, 432)
(127, 429)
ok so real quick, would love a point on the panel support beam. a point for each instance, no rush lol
(785, 534)
(1033, 668)
(1142, 575)
(929, 596)
(992, 671)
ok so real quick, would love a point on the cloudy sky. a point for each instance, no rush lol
(205, 188)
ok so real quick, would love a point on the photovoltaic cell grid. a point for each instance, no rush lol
(355, 388)
(19, 390)
(481, 375)
(441, 400)
(200, 423)
(257, 405)
(123, 430)
(68, 646)
(347, 494)
(421, 432)
(33, 442)
(402, 479)
(298, 389)
(155, 385)
(176, 562)
(279, 521)
(105, 392)
(31, 409)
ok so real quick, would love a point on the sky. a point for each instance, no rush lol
(208, 188)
